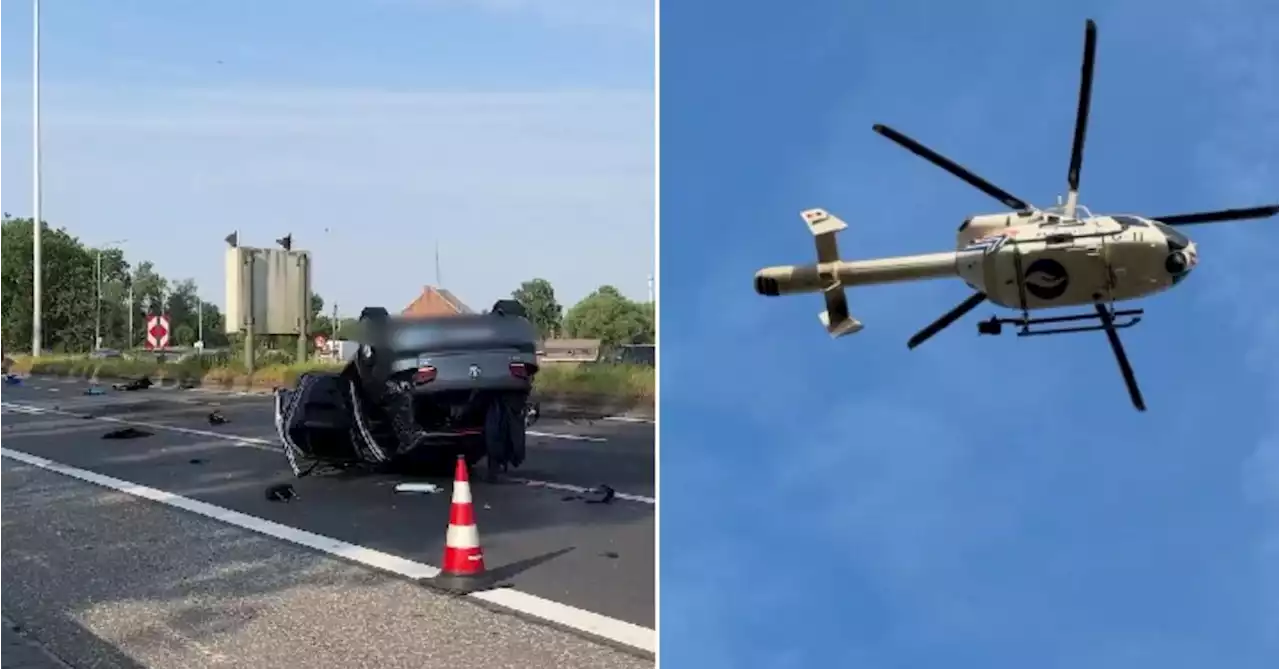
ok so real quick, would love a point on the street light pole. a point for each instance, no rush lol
(97, 306)
(37, 312)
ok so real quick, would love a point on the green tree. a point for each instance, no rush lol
(320, 324)
(609, 316)
(69, 296)
(539, 299)
(183, 304)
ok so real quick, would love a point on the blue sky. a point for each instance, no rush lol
(517, 134)
(988, 502)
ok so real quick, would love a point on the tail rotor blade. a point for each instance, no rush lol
(1221, 216)
(1126, 370)
(947, 319)
(955, 169)
(1082, 110)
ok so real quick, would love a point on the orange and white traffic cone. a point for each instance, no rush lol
(463, 557)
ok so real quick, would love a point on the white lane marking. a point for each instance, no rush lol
(618, 631)
(570, 437)
(274, 447)
(629, 419)
(580, 490)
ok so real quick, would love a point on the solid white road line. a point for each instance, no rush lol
(274, 446)
(618, 631)
(578, 489)
(629, 419)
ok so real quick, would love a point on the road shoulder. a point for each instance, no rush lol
(88, 569)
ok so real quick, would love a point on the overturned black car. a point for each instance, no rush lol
(419, 392)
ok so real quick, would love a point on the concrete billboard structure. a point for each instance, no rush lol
(268, 292)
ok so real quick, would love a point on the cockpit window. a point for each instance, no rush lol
(1177, 240)
(1130, 220)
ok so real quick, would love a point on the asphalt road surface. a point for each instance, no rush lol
(94, 568)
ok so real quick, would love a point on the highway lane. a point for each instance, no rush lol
(595, 557)
(104, 579)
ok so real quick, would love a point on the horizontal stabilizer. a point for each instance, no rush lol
(824, 227)
(835, 318)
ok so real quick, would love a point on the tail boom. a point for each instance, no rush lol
(831, 275)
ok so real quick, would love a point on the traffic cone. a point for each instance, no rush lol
(463, 566)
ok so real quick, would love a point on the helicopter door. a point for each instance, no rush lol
(1063, 270)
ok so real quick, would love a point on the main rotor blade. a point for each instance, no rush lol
(1116, 347)
(1219, 216)
(968, 177)
(1082, 110)
(947, 319)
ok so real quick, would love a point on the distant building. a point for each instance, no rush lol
(569, 350)
(435, 301)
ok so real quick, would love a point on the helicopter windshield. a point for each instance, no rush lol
(1177, 240)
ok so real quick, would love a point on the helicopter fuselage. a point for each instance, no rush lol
(1042, 260)
(1025, 261)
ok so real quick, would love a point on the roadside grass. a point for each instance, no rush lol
(623, 382)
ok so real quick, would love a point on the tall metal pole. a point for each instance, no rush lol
(37, 313)
(200, 321)
(97, 306)
(129, 336)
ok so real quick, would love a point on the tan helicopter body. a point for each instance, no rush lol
(1028, 259)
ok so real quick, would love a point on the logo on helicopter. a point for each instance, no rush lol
(1046, 279)
(990, 243)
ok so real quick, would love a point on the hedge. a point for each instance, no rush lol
(612, 381)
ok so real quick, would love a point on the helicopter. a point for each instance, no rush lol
(1029, 259)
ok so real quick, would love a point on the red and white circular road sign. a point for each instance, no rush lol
(321, 341)
(157, 331)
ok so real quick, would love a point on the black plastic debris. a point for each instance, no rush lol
(186, 384)
(196, 461)
(281, 492)
(140, 383)
(216, 418)
(610, 554)
(601, 494)
(127, 433)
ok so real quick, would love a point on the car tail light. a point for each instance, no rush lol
(519, 370)
(424, 375)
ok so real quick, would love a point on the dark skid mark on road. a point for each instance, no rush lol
(517, 524)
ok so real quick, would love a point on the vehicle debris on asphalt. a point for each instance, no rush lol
(127, 433)
(601, 494)
(428, 488)
(94, 390)
(12, 380)
(140, 383)
(281, 492)
(216, 418)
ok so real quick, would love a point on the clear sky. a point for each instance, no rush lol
(989, 502)
(517, 134)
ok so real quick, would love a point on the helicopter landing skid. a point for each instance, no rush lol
(1119, 320)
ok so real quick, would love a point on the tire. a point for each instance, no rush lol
(285, 443)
